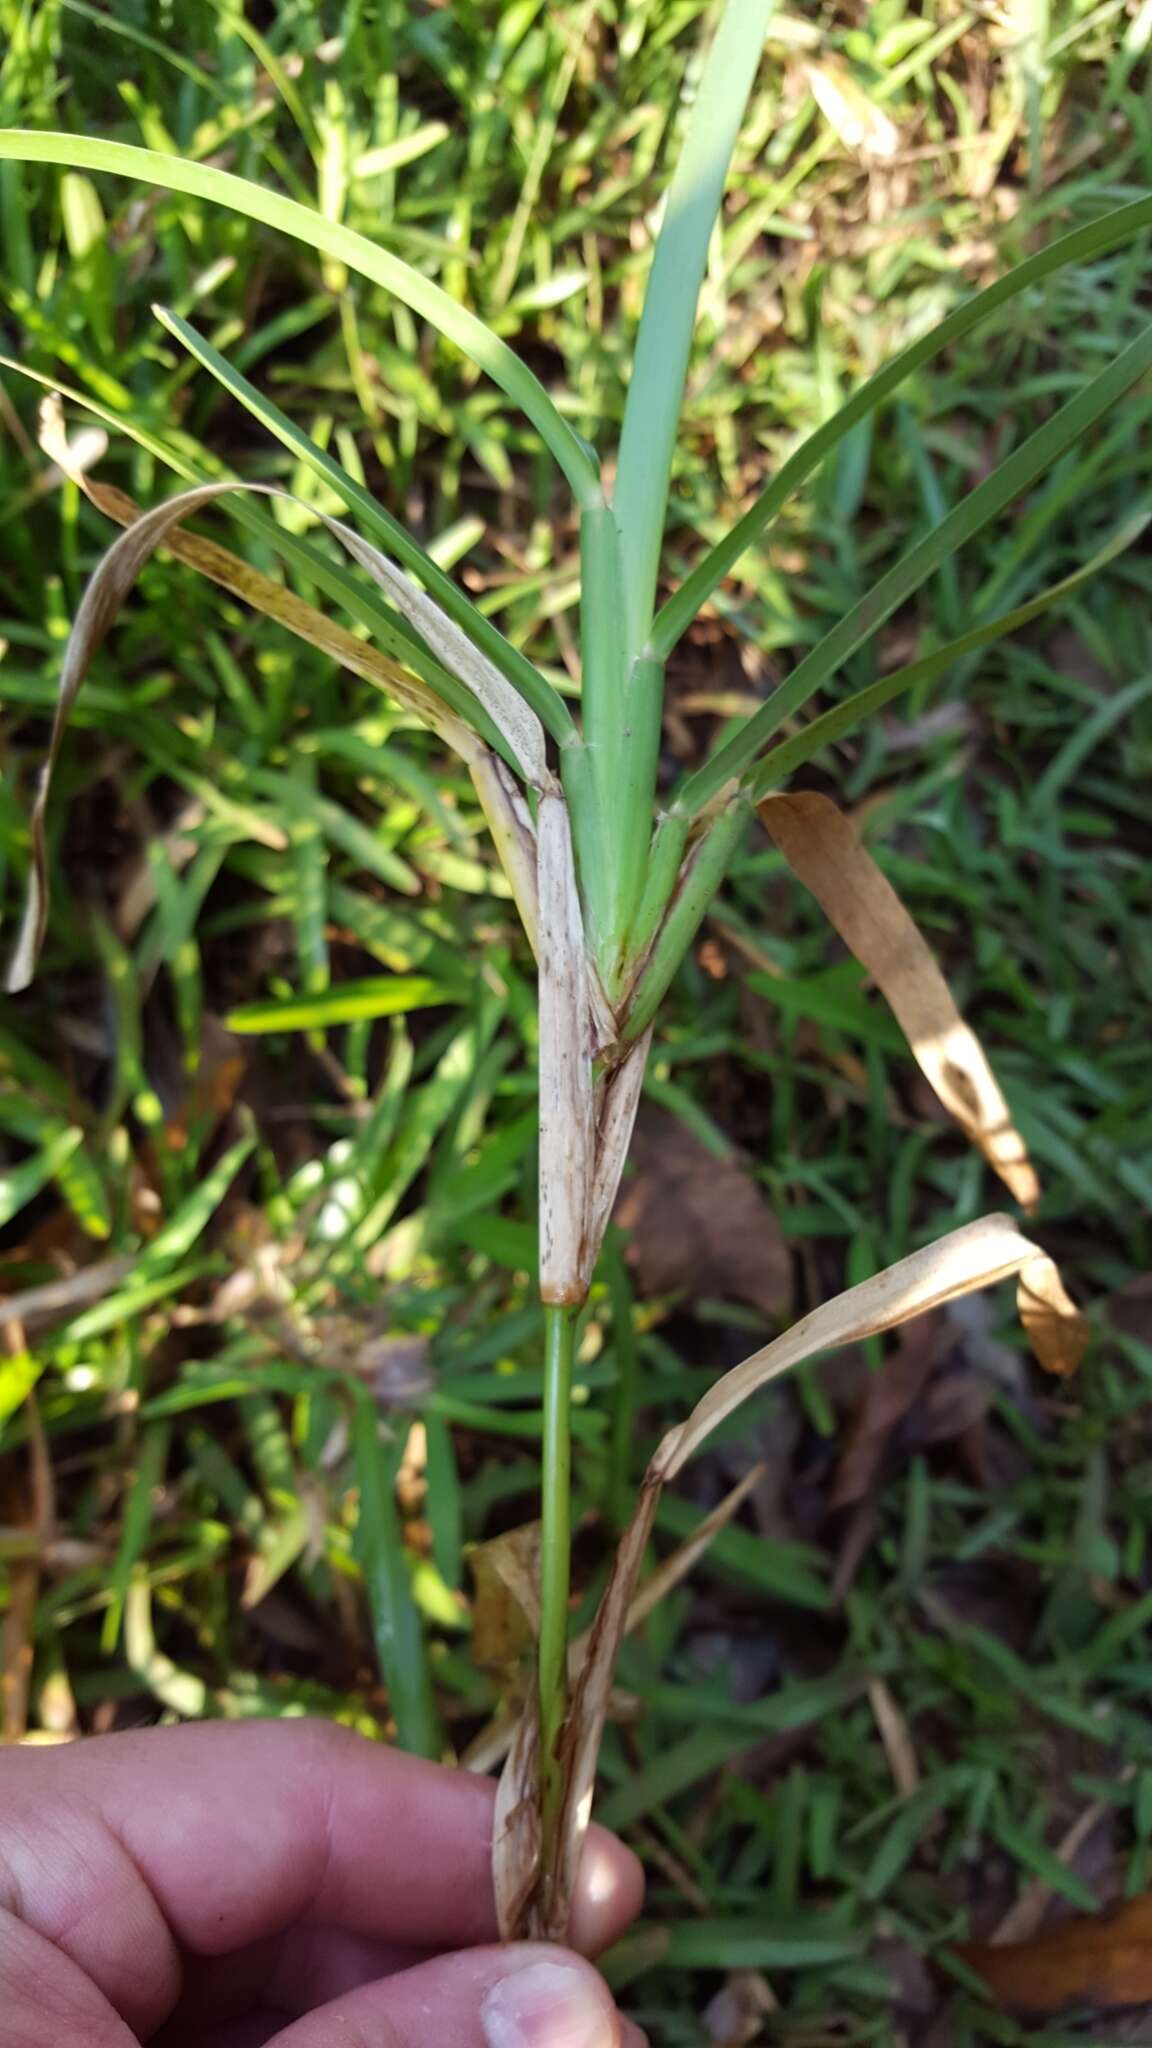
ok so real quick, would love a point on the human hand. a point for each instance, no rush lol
(278, 1884)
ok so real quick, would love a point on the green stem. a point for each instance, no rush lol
(555, 1550)
(663, 868)
(702, 877)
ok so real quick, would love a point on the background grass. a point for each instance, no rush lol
(293, 1232)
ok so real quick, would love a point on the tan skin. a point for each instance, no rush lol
(278, 1885)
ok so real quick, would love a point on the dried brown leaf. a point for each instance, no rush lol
(102, 600)
(697, 1224)
(1096, 1961)
(825, 852)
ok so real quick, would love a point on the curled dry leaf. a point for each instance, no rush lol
(1058, 1333)
(1094, 1961)
(511, 716)
(825, 852)
(976, 1256)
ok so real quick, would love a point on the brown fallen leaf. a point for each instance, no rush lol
(1097, 1961)
(698, 1225)
(826, 853)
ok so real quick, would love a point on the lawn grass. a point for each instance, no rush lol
(322, 1225)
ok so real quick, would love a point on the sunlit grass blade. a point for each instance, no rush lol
(289, 217)
(855, 710)
(389, 996)
(660, 363)
(1013, 476)
(1081, 246)
(546, 701)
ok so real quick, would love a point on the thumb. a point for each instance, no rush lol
(527, 1995)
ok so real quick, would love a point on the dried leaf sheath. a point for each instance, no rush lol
(567, 1111)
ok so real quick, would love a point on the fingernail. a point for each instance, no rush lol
(548, 2005)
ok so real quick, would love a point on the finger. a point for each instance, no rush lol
(212, 1837)
(522, 1996)
(45, 1997)
(293, 1972)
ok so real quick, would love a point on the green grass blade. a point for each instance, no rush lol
(396, 1625)
(151, 1462)
(289, 217)
(20, 1184)
(656, 388)
(388, 996)
(545, 701)
(783, 760)
(1009, 481)
(1081, 246)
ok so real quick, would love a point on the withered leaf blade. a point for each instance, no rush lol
(976, 1256)
(826, 853)
(1095, 1962)
(113, 579)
